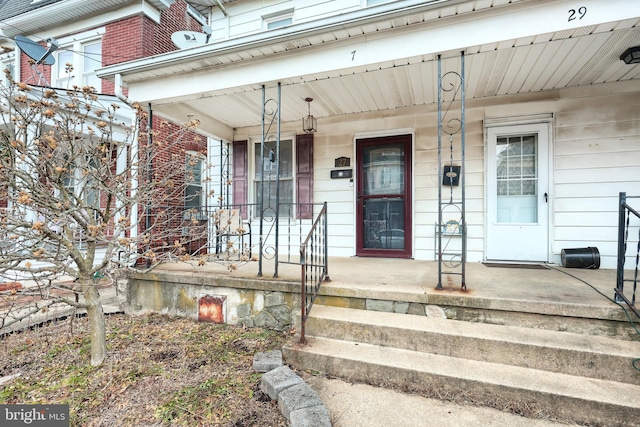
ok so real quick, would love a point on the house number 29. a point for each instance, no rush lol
(577, 13)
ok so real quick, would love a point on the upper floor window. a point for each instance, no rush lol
(76, 64)
(281, 19)
(374, 2)
(7, 65)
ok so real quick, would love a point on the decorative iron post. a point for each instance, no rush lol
(450, 95)
(277, 235)
(270, 144)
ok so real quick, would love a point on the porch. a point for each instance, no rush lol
(549, 338)
(548, 297)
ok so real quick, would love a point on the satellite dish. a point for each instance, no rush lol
(37, 52)
(185, 39)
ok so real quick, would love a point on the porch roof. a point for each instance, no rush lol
(384, 58)
(22, 17)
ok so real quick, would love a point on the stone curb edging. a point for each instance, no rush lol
(297, 401)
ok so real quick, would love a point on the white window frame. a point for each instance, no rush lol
(278, 20)
(75, 45)
(254, 180)
(77, 181)
(375, 2)
(202, 196)
(7, 61)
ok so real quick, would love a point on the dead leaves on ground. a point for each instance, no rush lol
(160, 371)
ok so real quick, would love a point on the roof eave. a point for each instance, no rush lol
(359, 17)
(48, 16)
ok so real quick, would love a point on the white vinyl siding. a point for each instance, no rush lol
(252, 17)
(597, 156)
(594, 154)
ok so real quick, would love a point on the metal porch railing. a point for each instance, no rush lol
(234, 233)
(314, 261)
(628, 223)
(203, 231)
(225, 234)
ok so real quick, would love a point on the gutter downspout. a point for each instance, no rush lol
(221, 7)
(118, 90)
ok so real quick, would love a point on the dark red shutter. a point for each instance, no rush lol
(240, 175)
(304, 175)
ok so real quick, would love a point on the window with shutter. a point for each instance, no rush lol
(240, 176)
(303, 179)
(304, 175)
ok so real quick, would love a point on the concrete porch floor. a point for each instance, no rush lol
(546, 291)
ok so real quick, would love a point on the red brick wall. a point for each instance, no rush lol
(140, 37)
(128, 39)
(169, 210)
(28, 75)
(176, 18)
(121, 42)
(174, 141)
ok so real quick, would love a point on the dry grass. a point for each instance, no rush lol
(160, 371)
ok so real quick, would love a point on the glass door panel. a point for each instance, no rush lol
(384, 223)
(517, 180)
(383, 202)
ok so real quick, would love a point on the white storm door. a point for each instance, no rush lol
(518, 193)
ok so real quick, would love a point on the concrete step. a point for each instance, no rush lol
(580, 399)
(537, 307)
(562, 352)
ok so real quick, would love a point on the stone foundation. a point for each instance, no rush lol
(259, 303)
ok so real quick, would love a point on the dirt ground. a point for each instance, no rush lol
(160, 371)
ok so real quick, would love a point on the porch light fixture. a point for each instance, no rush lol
(631, 55)
(309, 123)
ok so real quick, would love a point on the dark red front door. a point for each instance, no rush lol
(383, 177)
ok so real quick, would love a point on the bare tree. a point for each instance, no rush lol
(89, 188)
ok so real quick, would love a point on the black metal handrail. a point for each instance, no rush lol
(625, 225)
(314, 261)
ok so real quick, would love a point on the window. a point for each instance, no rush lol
(91, 61)
(76, 64)
(194, 196)
(6, 64)
(81, 182)
(269, 170)
(243, 152)
(281, 19)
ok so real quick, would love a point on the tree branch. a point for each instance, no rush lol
(5, 324)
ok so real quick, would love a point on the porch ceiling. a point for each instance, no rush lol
(526, 62)
(582, 57)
